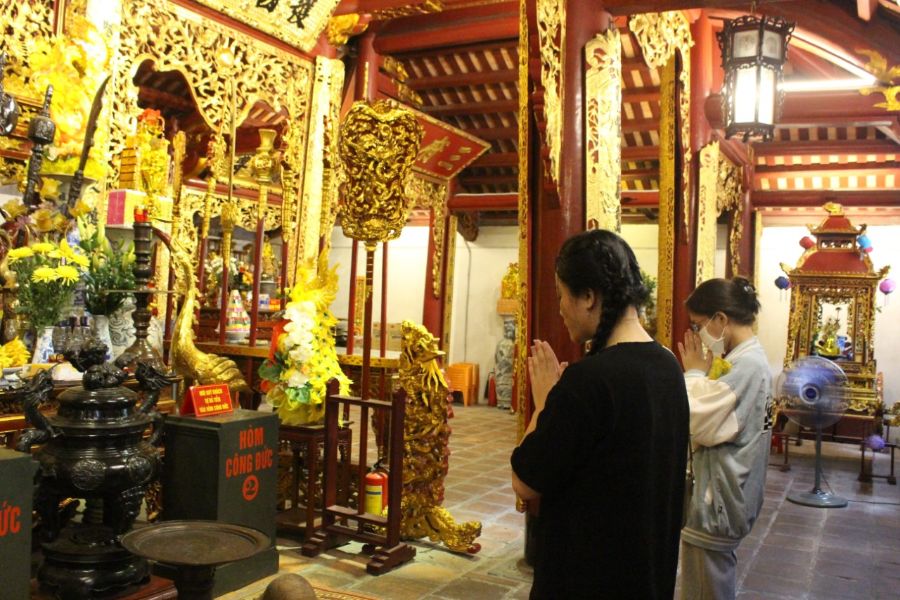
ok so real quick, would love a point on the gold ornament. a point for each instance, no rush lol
(378, 146)
(603, 120)
(426, 451)
(197, 368)
(509, 287)
(888, 80)
(551, 26)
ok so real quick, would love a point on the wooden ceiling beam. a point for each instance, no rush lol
(640, 153)
(639, 174)
(496, 159)
(483, 202)
(464, 79)
(494, 45)
(816, 198)
(825, 169)
(489, 134)
(640, 198)
(474, 108)
(466, 180)
(824, 148)
(635, 125)
(819, 109)
(636, 95)
(630, 7)
(449, 28)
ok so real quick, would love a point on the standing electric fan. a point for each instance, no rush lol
(812, 392)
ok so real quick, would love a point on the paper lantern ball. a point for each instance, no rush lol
(807, 242)
(782, 282)
(867, 249)
(888, 286)
(875, 442)
(864, 242)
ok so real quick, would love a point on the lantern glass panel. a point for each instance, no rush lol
(772, 45)
(745, 43)
(745, 95)
(766, 98)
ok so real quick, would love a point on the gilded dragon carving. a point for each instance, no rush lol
(426, 450)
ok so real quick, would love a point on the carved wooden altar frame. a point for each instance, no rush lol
(855, 284)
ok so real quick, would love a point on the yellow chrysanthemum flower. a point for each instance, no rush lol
(18, 253)
(45, 275)
(43, 247)
(67, 273)
(14, 208)
(81, 260)
(65, 250)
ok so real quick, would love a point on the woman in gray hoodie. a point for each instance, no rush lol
(731, 403)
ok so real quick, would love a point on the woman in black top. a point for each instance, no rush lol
(606, 448)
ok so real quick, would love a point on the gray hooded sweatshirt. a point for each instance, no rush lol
(730, 432)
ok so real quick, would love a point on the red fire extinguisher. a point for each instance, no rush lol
(492, 390)
(376, 492)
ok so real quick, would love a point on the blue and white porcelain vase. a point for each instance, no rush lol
(43, 346)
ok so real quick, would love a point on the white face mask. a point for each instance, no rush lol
(715, 345)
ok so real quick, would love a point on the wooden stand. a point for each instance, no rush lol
(390, 551)
(305, 441)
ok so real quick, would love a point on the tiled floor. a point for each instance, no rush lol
(794, 551)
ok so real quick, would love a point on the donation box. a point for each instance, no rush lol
(224, 468)
(16, 489)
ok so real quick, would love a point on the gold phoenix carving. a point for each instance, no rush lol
(426, 450)
(719, 191)
(888, 80)
(276, 23)
(603, 131)
(551, 26)
(378, 146)
(195, 366)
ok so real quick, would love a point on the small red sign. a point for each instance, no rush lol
(207, 400)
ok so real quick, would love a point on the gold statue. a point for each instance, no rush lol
(197, 368)
(510, 285)
(827, 342)
(378, 146)
(269, 266)
(426, 451)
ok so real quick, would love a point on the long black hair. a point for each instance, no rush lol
(601, 261)
(735, 297)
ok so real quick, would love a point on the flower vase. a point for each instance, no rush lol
(100, 328)
(43, 346)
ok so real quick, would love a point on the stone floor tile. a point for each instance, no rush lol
(471, 589)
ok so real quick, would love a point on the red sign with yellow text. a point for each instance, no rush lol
(207, 400)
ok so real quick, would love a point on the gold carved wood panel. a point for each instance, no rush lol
(603, 131)
(177, 39)
(719, 191)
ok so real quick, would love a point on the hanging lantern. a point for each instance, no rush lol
(782, 282)
(753, 54)
(887, 286)
(807, 242)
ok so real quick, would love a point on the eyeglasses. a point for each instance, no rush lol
(696, 327)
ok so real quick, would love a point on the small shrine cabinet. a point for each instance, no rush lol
(832, 312)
